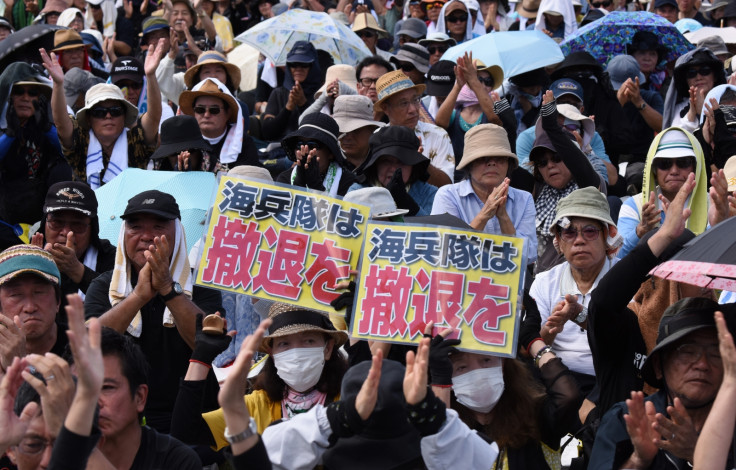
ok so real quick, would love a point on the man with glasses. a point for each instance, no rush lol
(368, 71)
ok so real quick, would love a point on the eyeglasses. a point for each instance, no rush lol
(299, 65)
(366, 33)
(457, 18)
(589, 232)
(404, 104)
(57, 224)
(312, 144)
(33, 445)
(430, 6)
(487, 81)
(214, 110)
(543, 163)
(101, 112)
(691, 353)
(366, 82)
(682, 163)
(606, 3)
(702, 71)
(437, 49)
(31, 91)
(408, 67)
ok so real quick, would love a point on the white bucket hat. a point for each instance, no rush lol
(353, 112)
(102, 92)
(378, 199)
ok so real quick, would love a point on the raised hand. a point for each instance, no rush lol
(51, 63)
(13, 427)
(365, 401)
(153, 57)
(85, 347)
(415, 377)
(650, 216)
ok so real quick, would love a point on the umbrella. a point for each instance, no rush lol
(515, 52)
(610, 35)
(24, 44)
(276, 36)
(192, 190)
(708, 260)
(727, 34)
(245, 57)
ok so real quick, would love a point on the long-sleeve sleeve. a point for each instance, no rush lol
(71, 451)
(560, 410)
(187, 423)
(170, 82)
(504, 112)
(457, 446)
(298, 444)
(255, 458)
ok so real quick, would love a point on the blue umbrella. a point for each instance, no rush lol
(515, 52)
(612, 34)
(192, 190)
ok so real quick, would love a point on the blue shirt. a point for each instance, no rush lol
(460, 200)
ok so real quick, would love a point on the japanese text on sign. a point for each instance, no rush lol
(280, 243)
(412, 275)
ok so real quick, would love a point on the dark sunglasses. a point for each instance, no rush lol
(435, 49)
(31, 91)
(542, 163)
(408, 67)
(457, 18)
(299, 65)
(214, 110)
(366, 33)
(100, 113)
(487, 81)
(607, 3)
(589, 232)
(312, 144)
(682, 163)
(429, 6)
(702, 71)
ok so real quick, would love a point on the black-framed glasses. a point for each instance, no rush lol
(408, 67)
(30, 91)
(299, 65)
(555, 158)
(102, 112)
(213, 110)
(589, 232)
(682, 163)
(366, 33)
(57, 224)
(691, 353)
(366, 81)
(312, 144)
(457, 18)
(487, 81)
(703, 71)
(435, 49)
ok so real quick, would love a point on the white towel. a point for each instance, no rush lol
(118, 160)
(234, 140)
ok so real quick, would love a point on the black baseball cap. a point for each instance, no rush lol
(71, 195)
(440, 78)
(153, 202)
(127, 68)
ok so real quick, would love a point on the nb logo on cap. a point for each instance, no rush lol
(148, 201)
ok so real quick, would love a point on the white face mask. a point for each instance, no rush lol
(479, 389)
(300, 368)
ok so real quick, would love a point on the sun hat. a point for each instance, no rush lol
(567, 86)
(251, 172)
(366, 21)
(78, 81)
(71, 196)
(621, 68)
(343, 72)
(529, 8)
(413, 53)
(571, 112)
(399, 142)
(730, 171)
(352, 112)
(440, 78)
(67, 39)
(43, 87)
(674, 144)
(586, 202)
(715, 44)
(290, 319)
(54, 6)
(179, 133)
(209, 87)
(414, 28)
(486, 140)
(380, 201)
(151, 24)
(495, 71)
(212, 57)
(21, 259)
(127, 68)
(314, 126)
(153, 202)
(102, 92)
(437, 37)
(391, 83)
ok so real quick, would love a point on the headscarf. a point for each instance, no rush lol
(716, 92)
(678, 90)
(563, 7)
(442, 27)
(16, 72)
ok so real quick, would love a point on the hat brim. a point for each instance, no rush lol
(45, 89)
(187, 99)
(351, 124)
(404, 155)
(397, 60)
(48, 277)
(496, 73)
(647, 370)
(131, 112)
(86, 212)
(419, 88)
(527, 13)
(233, 71)
(162, 214)
(560, 216)
(340, 337)
(165, 150)
(126, 76)
(70, 46)
(289, 142)
(435, 89)
(469, 158)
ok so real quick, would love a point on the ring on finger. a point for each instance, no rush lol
(50, 377)
(673, 437)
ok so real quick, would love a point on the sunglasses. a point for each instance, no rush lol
(20, 91)
(589, 232)
(366, 33)
(543, 163)
(682, 163)
(101, 112)
(457, 18)
(702, 71)
(214, 110)
(408, 67)
(57, 224)
(487, 81)
(312, 144)
(299, 65)
(430, 6)
(437, 49)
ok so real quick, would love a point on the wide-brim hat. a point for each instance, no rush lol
(343, 72)
(180, 133)
(399, 142)
(290, 319)
(44, 88)
(416, 54)
(437, 37)
(529, 8)
(379, 199)
(209, 87)
(486, 140)
(352, 112)
(315, 126)
(212, 57)
(495, 71)
(28, 259)
(67, 39)
(391, 83)
(571, 112)
(366, 21)
(588, 203)
(103, 92)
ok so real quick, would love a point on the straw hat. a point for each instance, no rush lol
(495, 71)
(486, 140)
(103, 92)
(529, 8)
(291, 319)
(344, 73)
(209, 88)
(67, 39)
(730, 171)
(212, 57)
(366, 21)
(391, 83)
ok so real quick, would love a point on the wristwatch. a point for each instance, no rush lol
(643, 105)
(582, 316)
(251, 430)
(175, 291)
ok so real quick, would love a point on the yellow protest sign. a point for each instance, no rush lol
(411, 275)
(280, 243)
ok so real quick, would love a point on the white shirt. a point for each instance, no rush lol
(437, 147)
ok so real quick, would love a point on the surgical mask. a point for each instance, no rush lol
(479, 389)
(300, 368)
(535, 100)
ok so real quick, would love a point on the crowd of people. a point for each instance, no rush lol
(605, 167)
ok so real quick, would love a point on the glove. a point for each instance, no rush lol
(308, 176)
(440, 366)
(344, 419)
(345, 301)
(397, 188)
(428, 415)
(206, 346)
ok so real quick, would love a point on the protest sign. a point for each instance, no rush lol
(280, 243)
(411, 275)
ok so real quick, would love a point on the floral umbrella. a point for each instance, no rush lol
(276, 36)
(611, 35)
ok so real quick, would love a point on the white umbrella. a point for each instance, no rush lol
(727, 34)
